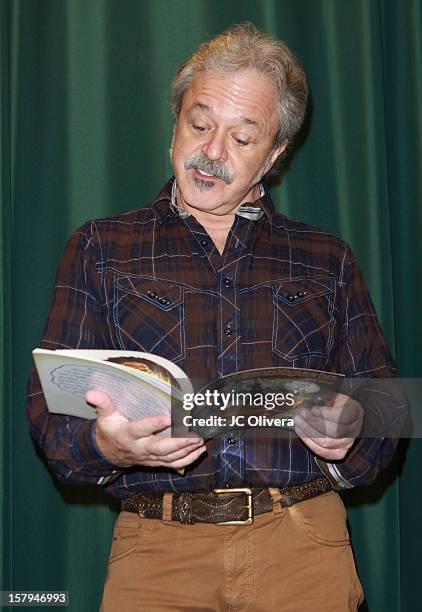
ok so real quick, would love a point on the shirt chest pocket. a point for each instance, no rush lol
(303, 317)
(149, 316)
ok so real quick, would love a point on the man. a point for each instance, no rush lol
(211, 277)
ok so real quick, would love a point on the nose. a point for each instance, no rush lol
(215, 147)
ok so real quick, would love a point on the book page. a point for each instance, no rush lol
(160, 371)
(66, 379)
(134, 400)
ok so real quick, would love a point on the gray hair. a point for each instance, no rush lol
(243, 46)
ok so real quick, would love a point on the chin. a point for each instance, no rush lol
(203, 201)
(196, 190)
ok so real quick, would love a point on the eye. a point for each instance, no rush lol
(240, 141)
(199, 128)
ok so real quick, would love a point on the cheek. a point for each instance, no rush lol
(247, 168)
(179, 154)
(183, 148)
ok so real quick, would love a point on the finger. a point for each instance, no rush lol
(160, 446)
(341, 398)
(187, 460)
(313, 445)
(166, 446)
(329, 429)
(148, 425)
(346, 414)
(326, 442)
(101, 401)
(348, 403)
(329, 454)
(314, 428)
(177, 455)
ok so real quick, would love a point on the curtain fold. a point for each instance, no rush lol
(85, 132)
(402, 53)
(5, 302)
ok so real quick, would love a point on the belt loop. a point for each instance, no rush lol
(276, 498)
(167, 506)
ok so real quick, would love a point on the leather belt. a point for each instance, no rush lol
(230, 506)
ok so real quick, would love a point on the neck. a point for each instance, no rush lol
(217, 225)
(211, 220)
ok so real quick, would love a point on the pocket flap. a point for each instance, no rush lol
(293, 292)
(157, 292)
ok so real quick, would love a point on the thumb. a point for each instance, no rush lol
(101, 401)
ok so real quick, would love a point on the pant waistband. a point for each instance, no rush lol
(221, 506)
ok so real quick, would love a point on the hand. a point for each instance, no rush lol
(126, 443)
(330, 431)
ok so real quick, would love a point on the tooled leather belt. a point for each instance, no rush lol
(222, 506)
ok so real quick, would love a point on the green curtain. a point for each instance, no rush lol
(85, 131)
(5, 284)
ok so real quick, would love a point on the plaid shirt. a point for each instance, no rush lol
(221, 314)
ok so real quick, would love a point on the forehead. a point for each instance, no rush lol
(247, 97)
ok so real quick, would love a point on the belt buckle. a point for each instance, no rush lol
(249, 507)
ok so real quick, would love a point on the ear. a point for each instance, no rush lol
(275, 154)
(172, 143)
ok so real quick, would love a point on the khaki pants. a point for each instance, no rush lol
(295, 559)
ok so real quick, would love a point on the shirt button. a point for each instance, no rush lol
(164, 300)
(227, 281)
(152, 294)
(204, 243)
(291, 298)
(231, 440)
(228, 331)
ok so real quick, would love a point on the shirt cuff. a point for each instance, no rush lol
(332, 473)
(363, 462)
(90, 454)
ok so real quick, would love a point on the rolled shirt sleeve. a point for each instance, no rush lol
(363, 353)
(75, 320)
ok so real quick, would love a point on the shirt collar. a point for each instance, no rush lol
(165, 204)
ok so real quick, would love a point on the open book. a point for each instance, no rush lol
(144, 384)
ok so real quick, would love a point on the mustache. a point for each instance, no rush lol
(216, 168)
